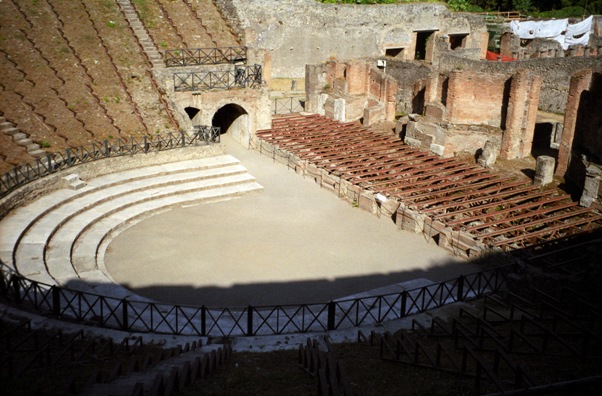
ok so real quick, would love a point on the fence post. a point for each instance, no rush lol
(3, 285)
(250, 321)
(460, 296)
(203, 321)
(331, 315)
(404, 301)
(16, 287)
(49, 159)
(183, 138)
(56, 300)
(124, 314)
(145, 145)
(106, 143)
(68, 151)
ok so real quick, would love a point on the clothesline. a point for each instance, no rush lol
(559, 30)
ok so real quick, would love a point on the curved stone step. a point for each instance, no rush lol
(16, 224)
(65, 222)
(59, 246)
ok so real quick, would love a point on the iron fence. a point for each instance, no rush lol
(52, 163)
(204, 56)
(163, 318)
(288, 105)
(239, 77)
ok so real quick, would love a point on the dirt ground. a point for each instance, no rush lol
(292, 243)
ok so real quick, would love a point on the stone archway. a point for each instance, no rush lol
(233, 120)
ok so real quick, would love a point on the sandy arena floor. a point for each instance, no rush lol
(292, 243)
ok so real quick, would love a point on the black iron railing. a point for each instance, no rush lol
(162, 318)
(288, 105)
(204, 56)
(239, 77)
(52, 163)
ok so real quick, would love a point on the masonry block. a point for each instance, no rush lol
(544, 170)
(314, 172)
(411, 220)
(367, 202)
(330, 181)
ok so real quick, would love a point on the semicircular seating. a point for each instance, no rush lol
(60, 238)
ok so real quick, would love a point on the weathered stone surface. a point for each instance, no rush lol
(544, 171)
(592, 189)
(488, 155)
(344, 31)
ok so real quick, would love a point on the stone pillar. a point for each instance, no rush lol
(355, 75)
(580, 82)
(339, 109)
(453, 87)
(521, 116)
(509, 45)
(531, 116)
(591, 189)
(315, 80)
(431, 91)
(489, 155)
(544, 170)
(267, 67)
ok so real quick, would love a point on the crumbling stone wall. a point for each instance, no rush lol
(556, 74)
(255, 102)
(476, 98)
(349, 91)
(411, 80)
(300, 32)
(580, 151)
(228, 11)
(465, 110)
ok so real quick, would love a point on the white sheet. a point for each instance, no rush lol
(557, 29)
(581, 29)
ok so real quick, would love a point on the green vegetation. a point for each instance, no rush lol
(538, 8)
(44, 143)
(144, 11)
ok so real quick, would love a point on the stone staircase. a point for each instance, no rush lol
(20, 138)
(149, 48)
(60, 239)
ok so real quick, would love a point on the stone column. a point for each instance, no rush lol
(521, 116)
(580, 82)
(544, 170)
(591, 189)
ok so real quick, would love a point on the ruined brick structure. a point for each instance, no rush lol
(303, 32)
(349, 91)
(464, 110)
(580, 151)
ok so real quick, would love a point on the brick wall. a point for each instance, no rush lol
(475, 98)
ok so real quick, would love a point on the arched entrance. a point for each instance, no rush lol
(234, 120)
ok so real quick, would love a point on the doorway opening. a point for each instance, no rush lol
(423, 44)
(233, 120)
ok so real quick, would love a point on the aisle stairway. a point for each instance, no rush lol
(60, 238)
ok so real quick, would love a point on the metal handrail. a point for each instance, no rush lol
(204, 56)
(51, 163)
(239, 77)
(138, 316)
(288, 105)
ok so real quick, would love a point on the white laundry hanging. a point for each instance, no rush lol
(557, 29)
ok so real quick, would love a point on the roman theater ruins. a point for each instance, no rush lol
(240, 171)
